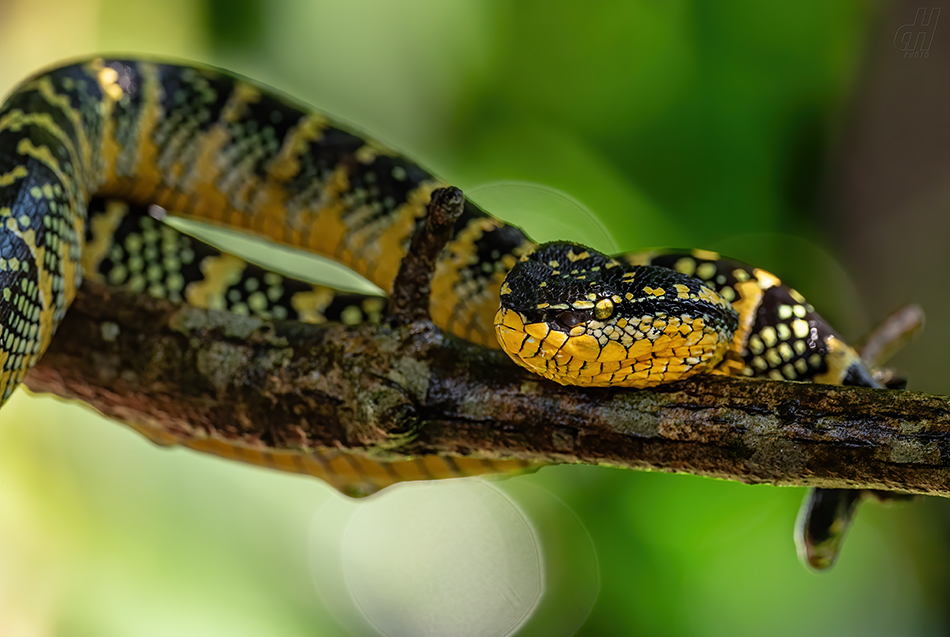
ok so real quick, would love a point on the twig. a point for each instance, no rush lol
(409, 299)
(893, 333)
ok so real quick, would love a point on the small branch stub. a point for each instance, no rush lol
(890, 335)
(409, 299)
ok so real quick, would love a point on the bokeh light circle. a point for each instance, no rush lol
(458, 557)
(545, 213)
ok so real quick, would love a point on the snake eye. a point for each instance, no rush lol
(570, 319)
(604, 309)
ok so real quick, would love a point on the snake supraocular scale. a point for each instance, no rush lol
(201, 143)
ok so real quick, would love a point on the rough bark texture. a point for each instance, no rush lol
(413, 390)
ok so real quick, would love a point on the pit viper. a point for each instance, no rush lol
(89, 148)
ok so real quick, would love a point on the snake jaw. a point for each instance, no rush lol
(662, 326)
(582, 360)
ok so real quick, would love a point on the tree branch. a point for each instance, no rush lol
(411, 389)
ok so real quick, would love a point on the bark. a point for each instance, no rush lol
(401, 389)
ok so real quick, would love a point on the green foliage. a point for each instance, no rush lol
(683, 123)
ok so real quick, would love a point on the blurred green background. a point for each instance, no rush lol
(677, 123)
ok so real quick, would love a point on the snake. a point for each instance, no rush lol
(95, 152)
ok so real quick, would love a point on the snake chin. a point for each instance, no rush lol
(579, 317)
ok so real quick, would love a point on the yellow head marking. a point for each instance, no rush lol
(682, 292)
(578, 257)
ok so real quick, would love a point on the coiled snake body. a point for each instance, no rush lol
(86, 148)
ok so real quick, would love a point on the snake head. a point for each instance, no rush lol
(580, 317)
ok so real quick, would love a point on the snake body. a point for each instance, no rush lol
(86, 149)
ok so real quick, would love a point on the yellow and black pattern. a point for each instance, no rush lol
(579, 317)
(205, 144)
(352, 474)
(780, 335)
(128, 247)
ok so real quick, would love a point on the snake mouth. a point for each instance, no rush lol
(630, 353)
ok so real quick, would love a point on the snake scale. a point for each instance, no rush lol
(89, 149)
